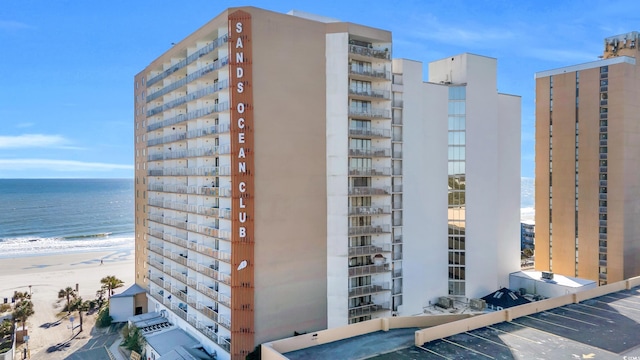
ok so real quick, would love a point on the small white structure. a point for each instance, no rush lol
(533, 282)
(122, 306)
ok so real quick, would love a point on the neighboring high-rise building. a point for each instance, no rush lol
(274, 155)
(587, 166)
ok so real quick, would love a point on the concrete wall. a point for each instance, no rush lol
(273, 350)
(337, 137)
(425, 189)
(121, 308)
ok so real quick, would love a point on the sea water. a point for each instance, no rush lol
(47, 216)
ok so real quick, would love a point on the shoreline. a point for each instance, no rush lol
(68, 251)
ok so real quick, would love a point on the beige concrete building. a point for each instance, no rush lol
(269, 179)
(588, 166)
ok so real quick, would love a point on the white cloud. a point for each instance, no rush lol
(59, 165)
(32, 141)
(13, 25)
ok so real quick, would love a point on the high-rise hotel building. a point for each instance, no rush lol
(292, 177)
(588, 166)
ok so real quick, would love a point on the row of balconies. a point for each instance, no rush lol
(183, 224)
(369, 230)
(191, 115)
(191, 134)
(212, 89)
(191, 171)
(366, 171)
(368, 270)
(369, 113)
(370, 210)
(192, 189)
(370, 73)
(375, 94)
(370, 152)
(368, 190)
(218, 64)
(194, 209)
(368, 309)
(369, 249)
(198, 152)
(370, 132)
(369, 52)
(189, 59)
(368, 289)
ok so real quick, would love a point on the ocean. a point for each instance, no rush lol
(48, 216)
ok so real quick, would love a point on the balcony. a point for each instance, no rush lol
(397, 119)
(192, 153)
(397, 222)
(368, 270)
(195, 114)
(212, 89)
(361, 171)
(397, 171)
(180, 311)
(370, 133)
(156, 264)
(189, 59)
(369, 250)
(397, 239)
(220, 63)
(370, 94)
(397, 154)
(156, 249)
(363, 51)
(370, 152)
(368, 309)
(397, 273)
(369, 210)
(369, 73)
(604, 129)
(396, 188)
(369, 230)
(368, 289)
(191, 171)
(214, 274)
(158, 280)
(603, 169)
(397, 103)
(368, 191)
(182, 277)
(369, 113)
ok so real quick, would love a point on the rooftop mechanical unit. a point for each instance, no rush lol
(445, 302)
(477, 304)
(546, 275)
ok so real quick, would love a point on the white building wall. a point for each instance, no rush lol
(337, 179)
(121, 308)
(492, 171)
(425, 189)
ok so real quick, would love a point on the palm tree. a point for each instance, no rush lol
(5, 328)
(67, 293)
(110, 283)
(22, 311)
(79, 305)
(21, 295)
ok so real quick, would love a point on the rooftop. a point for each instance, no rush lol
(602, 322)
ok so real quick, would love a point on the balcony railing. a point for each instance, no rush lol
(396, 188)
(397, 239)
(360, 171)
(379, 94)
(367, 191)
(368, 270)
(368, 309)
(397, 103)
(369, 249)
(370, 229)
(355, 70)
(178, 154)
(178, 310)
(369, 210)
(397, 119)
(368, 289)
(369, 113)
(195, 114)
(370, 152)
(369, 52)
(189, 78)
(191, 171)
(189, 59)
(377, 133)
(189, 97)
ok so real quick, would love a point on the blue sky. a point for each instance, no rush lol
(66, 72)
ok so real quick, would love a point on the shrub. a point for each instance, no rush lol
(5, 308)
(104, 319)
(133, 339)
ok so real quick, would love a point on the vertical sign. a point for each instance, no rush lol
(242, 172)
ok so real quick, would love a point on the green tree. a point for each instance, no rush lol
(79, 305)
(21, 295)
(67, 293)
(110, 283)
(5, 328)
(104, 319)
(133, 339)
(22, 311)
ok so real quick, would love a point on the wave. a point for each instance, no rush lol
(29, 246)
(87, 236)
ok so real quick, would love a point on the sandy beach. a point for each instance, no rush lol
(47, 275)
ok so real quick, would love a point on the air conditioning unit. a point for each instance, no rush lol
(445, 302)
(477, 304)
(546, 275)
